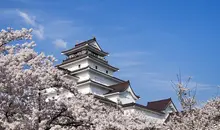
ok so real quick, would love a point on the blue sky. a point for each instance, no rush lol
(148, 40)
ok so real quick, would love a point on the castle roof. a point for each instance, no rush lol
(159, 105)
(90, 44)
(121, 87)
(96, 71)
(91, 57)
(156, 106)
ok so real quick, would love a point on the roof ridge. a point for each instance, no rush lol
(161, 100)
(86, 41)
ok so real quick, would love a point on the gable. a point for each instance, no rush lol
(126, 97)
(129, 89)
(170, 108)
(95, 45)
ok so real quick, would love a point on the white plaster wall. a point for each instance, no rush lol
(126, 97)
(101, 79)
(83, 76)
(168, 110)
(85, 89)
(100, 67)
(75, 65)
(98, 90)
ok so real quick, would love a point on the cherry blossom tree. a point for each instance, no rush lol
(205, 118)
(185, 94)
(193, 117)
(34, 95)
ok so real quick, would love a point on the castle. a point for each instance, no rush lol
(94, 75)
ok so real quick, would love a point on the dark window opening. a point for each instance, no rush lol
(79, 66)
(106, 71)
(96, 67)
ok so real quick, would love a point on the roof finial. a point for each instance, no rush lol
(77, 42)
(93, 37)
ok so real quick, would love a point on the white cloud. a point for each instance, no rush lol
(39, 32)
(64, 29)
(60, 43)
(38, 29)
(28, 19)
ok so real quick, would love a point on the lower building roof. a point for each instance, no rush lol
(159, 105)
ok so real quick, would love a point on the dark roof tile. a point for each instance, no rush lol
(85, 42)
(121, 87)
(159, 105)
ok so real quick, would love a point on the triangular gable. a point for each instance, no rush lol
(129, 89)
(171, 107)
(95, 44)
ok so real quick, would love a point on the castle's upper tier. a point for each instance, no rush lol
(91, 45)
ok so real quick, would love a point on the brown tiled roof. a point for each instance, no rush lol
(159, 105)
(121, 87)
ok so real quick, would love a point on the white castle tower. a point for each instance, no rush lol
(87, 62)
(94, 75)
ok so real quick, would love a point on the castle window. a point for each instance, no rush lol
(106, 71)
(96, 67)
(79, 66)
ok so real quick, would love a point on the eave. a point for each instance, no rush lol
(111, 94)
(71, 60)
(104, 100)
(95, 71)
(93, 82)
(90, 57)
(93, 58)
(134, 92)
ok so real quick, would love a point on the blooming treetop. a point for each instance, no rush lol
(205, 118)
(192, 117)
